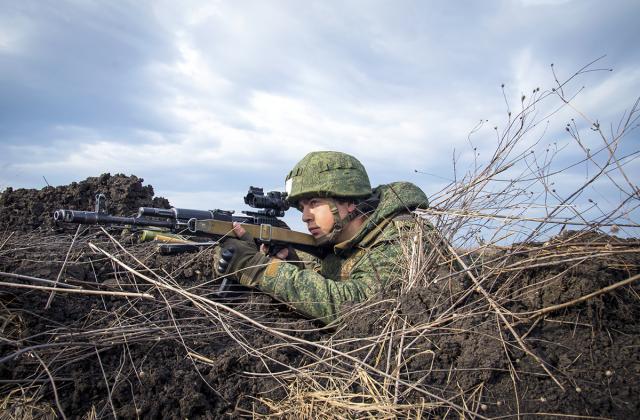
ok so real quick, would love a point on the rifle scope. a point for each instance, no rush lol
(276, 200)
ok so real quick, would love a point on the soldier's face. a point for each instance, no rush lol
(316, 213)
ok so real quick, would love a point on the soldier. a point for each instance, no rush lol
(360, 228)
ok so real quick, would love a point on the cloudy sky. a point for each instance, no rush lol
(204, 98)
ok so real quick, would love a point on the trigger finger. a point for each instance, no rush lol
(283, 254)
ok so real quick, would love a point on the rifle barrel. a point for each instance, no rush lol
(95, 218)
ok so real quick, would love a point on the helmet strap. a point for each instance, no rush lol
(339, 223)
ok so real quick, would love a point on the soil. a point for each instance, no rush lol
(591, 350)
(29, 209)
(97, 356)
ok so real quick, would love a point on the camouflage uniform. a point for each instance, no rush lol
(353, 270)
(356, 269)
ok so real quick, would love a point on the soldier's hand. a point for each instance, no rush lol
(242, 233)
(281, 253)
(240, 260)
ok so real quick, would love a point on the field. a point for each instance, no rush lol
(517, 297)
(530, 329)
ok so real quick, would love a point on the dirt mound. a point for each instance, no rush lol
(114, 355)
(529, 329)
(28, 209)
(517, 337)
(123, 354)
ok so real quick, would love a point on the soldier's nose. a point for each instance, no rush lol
(306, 215)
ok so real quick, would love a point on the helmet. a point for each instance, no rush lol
(327, 174)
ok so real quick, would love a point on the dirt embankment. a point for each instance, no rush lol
(29, 209)
(120, 356)
(465, 344)
(524, 340)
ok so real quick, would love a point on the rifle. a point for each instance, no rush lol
(262, 224)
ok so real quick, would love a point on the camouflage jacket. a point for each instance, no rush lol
(356, 269)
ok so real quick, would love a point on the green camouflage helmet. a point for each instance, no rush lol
(327, 174)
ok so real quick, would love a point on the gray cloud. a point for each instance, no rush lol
(82, 65)
(202, 99)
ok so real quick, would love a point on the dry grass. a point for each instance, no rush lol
(488, 207)
(461, 246)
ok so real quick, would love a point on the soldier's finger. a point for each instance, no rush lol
(238, 230)
(222, 266)
(283, 254)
